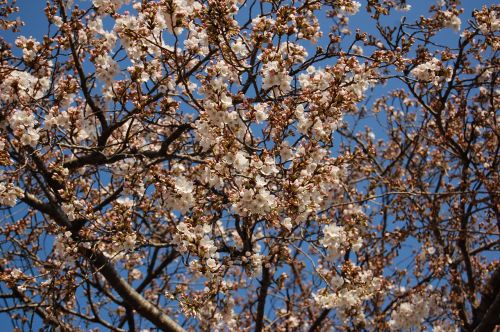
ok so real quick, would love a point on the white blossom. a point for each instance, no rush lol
(452, 21)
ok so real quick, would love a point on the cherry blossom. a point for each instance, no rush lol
(227, 165)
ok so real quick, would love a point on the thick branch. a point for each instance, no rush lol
(266, 281)
(129, 294)
(150, 277)
(316, 325)
(102, 264)
(98, 158)
(491, 318)
(487, 315)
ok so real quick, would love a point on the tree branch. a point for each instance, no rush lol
(266, 281)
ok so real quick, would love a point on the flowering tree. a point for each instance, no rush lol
(214, 165)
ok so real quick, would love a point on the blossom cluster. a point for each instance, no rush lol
(23, 124)
(9, 194)
(411, 313)
(23, 87)
(346, 292)
(432, 71)
(336, 239)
